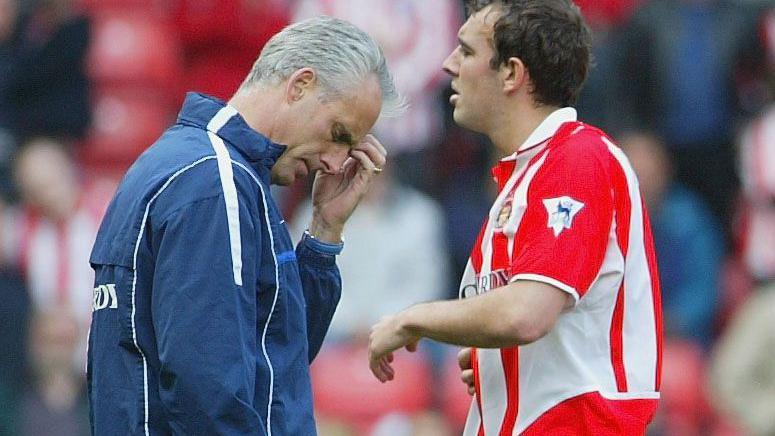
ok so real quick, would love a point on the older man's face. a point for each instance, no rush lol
(321, 134)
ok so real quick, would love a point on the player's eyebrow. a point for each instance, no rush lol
(465, 46)
(339, 133)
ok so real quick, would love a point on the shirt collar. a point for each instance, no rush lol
(502, 171)
(199, 110)
(546, 129)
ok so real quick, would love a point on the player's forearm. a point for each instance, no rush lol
(493, 320)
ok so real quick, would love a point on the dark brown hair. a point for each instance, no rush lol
(552, 40)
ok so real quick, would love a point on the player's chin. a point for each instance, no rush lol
(463, 119)
(459, 115)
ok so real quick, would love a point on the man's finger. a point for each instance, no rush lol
(348, 163)
(468, 377)
(387, 370)
(376, 369)
(464, 358)
(373, 150)
(363, 158)
(371, 139)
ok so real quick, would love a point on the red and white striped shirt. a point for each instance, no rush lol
(54, 255)
(569, 214)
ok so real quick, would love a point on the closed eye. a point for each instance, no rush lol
(340, 134)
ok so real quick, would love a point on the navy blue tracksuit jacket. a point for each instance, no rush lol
(205, 318)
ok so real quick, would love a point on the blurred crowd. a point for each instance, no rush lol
(686, 87)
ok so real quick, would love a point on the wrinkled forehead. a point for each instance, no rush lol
(359, 109)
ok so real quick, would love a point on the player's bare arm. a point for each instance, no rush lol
(516, 314)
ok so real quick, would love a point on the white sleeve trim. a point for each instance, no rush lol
(649, 395)
(549, 281)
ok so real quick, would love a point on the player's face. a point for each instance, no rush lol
(320, 134)
(475, 84)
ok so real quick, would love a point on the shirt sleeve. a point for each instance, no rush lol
(564, 232)
(322, 286)
(205, 323)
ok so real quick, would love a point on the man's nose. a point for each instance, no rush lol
(449, 65)
(334, 160)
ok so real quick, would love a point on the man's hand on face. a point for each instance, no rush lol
(334, 196)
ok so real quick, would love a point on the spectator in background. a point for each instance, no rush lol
(49, 236)
(8, 17)
(680, 63)
(395, 256)
(45, 84)
(687, 240)
(56, 403)
(756, 231)
(743, 368)
(467, 191)
(599, 101)
(222, 38)
(9, 12)
(14, 315)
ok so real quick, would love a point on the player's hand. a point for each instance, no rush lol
(387, 336)
(335, 196)
(466, 370)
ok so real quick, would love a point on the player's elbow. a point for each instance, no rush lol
(527, 328)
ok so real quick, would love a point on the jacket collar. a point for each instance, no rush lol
(199, 110)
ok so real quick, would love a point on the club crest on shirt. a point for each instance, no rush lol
(504, 214)
(561, 211)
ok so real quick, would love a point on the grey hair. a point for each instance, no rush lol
(341, 54)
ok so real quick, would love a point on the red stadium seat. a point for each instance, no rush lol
(157, 7)
(684, 405)
(124, 124)
(724, 426)
(133, 48)
(737, 285)
(344, 387)
(222, 38)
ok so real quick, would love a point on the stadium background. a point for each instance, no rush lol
(685, 86)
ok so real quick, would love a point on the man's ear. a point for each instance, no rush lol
(514, 75)
(300, 83)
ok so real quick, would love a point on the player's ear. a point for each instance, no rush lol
(300, 83)
(514, 75)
